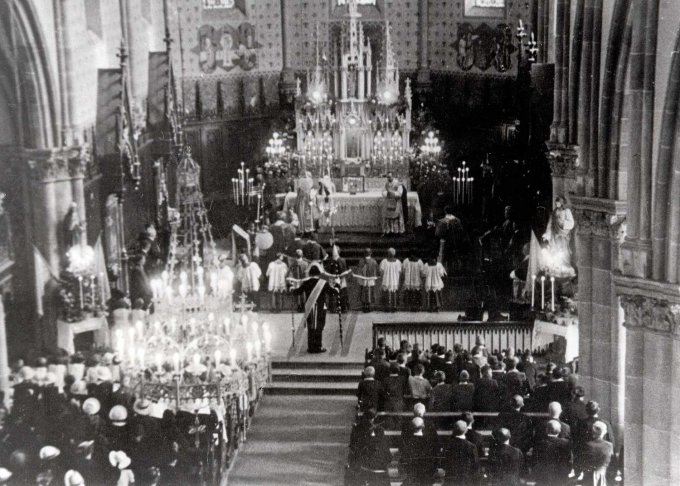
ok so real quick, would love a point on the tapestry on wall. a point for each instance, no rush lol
(482, 46)
(227, 48)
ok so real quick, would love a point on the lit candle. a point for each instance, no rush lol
(542, 292)
(533, 290)
(92, 280)
(552, 292)
(119, 340)
(227, 325)
(232, 358)
(141, 354)
(139, 325)
(101, 286)
(159, 362)
(258, 349)
(175, 360)
(218, 357)
(249, 351)
(80, 287)
(258, 206)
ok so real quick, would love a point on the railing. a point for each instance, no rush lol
(496, 335)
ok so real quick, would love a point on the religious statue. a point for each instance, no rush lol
(393, 214)
(556, 256)
(72, 226)
(466, 55)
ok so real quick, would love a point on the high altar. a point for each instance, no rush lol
(354, 111)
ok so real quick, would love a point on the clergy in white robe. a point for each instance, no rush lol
(433, 274)
(390, 270)
(277, 272)
(248, 275)
(412, 268)
(304, 205)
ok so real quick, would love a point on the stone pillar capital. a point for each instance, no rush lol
(564, 160)
(649, 304)
(604, 218)
(57, 163)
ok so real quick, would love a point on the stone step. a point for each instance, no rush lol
(358, 366)
(282, 375)
(311, 388)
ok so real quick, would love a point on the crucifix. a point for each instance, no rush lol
(243, 304)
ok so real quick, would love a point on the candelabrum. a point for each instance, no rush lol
(531, 46)
(431, 147)
(388, 153)
(276, 149)
(317, 154)
(463, 185)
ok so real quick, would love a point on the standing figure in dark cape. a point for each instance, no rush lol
(315, 309)
(404, 204)
(140, 288)
(148, 244)
(452, 241)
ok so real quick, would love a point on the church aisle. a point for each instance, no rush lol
(299, 440)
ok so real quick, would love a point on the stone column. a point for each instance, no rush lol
(288, 84)
(599, 224)
(652, 381)
(4, 363)
(76, 168)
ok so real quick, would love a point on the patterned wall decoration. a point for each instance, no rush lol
(220, 4)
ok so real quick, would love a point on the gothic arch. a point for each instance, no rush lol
(666, 229)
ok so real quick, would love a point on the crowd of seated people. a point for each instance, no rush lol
(77, 422)
(503, 423)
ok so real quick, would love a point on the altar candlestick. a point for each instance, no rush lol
(232, 358)
(175, 360)
(92, 291)
(533, 290)
(80, 288)
(249, 351)
(258, 207)
(543, 292)
(552, 292)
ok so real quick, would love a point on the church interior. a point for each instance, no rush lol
(359, 242)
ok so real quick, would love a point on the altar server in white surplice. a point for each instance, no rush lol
(248, 275)
(393, 215)
(277, 272)
(412, 268)
(433, 273)
(390, 270)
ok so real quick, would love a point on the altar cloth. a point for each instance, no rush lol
(361, 212)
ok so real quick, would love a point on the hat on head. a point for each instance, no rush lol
(118, 415)
(107, 359)
(5, 474)
(26, 373)
(49, 452)
(50, 378)
(142, 407)
(79, 388)
(73, 478)
(119, 459)
(91, 406)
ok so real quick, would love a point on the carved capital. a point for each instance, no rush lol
(604, 218)
(563, 160)
(79, 163)
(56, 164)
(652, 314)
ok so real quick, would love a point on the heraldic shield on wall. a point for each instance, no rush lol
(226, 48)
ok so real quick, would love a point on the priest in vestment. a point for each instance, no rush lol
(393, 214)
(336, 267)
(452, 240)
(304, 205)
(319, 291)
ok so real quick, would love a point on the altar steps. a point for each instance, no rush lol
(314, 378)
(353, 245)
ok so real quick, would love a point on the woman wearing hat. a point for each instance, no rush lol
(118, 432)
(121, 461)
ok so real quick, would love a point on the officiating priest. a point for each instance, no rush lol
(319, 292)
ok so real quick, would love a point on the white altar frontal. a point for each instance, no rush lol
(353, 118)
(360, 213)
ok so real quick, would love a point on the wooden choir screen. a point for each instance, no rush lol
(496, 335)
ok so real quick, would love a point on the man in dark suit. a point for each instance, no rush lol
(370, 391)
(517, 423)
(463, 393)
(438, 361)
(471, 434)
(584, 430)
(369, 455)
(461, 461)
(381, 365)
(430, 429)
(575, 411)
(316, 319)
(486, 392)
(419, 456)
(595, 459)
(539, 397)
(528, 367)
(555, 412)
(558, 388)
(515, 381)
(404, 371)
(505, 461)
(551, 459)
(449, 368)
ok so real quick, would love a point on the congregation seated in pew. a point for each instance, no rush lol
(477, 431)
